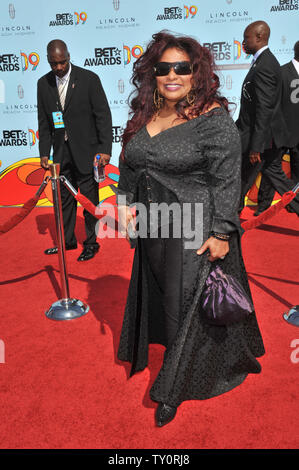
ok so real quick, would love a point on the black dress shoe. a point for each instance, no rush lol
(165, 414)
(88, 253)
(54, 250)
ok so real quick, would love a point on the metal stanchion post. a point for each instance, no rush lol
(292, 316)
(65, 308)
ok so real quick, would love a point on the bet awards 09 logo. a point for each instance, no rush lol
(117, 132)
(69, 19)
(171, 13)
(14, 138)
(177, 13)
(132, 52)
(9, 63)
(13, 62)
(18, 138)
(104, 56)
(224, 50)
(284, 5)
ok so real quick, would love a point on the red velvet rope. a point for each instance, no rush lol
(89, 206)
(17, 218)
(247, 225)
(266, 215)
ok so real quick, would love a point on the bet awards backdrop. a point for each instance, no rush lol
(107, 36)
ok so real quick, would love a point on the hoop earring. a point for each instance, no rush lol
(158, 100)
(190, 98)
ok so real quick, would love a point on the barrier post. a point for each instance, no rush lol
(65, 308)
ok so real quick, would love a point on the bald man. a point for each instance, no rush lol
(75, 120)
(261, 122)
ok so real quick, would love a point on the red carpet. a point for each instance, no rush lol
(61, 385)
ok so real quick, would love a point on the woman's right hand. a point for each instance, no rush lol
(125, 217)
(217, 249)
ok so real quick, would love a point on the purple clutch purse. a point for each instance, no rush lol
(224, 300)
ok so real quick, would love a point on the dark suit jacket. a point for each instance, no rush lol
(87, 118)
(290, 109)
(261, 119)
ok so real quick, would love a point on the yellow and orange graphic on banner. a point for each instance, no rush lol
(20, 181)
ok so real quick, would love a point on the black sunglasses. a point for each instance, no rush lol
(180, 68)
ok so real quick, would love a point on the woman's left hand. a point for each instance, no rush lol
(217, 248)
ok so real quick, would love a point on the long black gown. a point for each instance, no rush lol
(197, 161)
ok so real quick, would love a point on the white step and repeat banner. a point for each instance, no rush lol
(107, 36)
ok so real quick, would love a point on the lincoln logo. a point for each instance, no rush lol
(11, 11)
(115, 4)
(20, 92)
(229, 82)
(121, 85)
(2, 91)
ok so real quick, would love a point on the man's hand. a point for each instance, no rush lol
(44, 163)
(255, 157)
(104, 160)
(217, 248)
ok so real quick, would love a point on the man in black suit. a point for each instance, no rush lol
(290, 109)
(261, 123)
(74, 118)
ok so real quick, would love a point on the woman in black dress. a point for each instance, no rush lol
(182, 148)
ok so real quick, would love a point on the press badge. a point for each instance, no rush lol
(58, 119)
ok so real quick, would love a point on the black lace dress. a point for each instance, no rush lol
(197, 161)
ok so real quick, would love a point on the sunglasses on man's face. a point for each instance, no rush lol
(180, 68)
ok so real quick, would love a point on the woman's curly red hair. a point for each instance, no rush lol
(205, 82)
